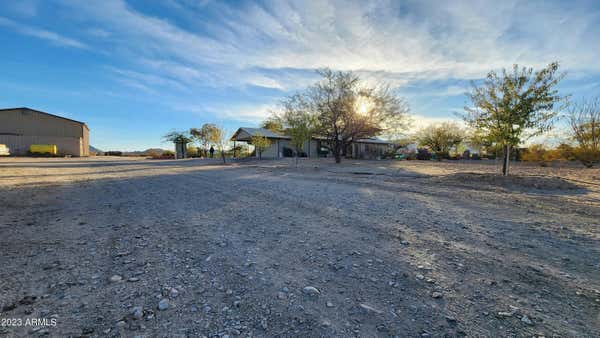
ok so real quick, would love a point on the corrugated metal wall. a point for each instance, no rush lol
(85, 142)
(19, 128)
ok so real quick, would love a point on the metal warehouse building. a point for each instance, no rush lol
(22, 127)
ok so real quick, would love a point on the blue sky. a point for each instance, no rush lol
(134, 70)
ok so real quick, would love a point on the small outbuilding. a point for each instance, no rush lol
(22, 127)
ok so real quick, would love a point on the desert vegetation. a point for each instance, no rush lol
(507, 110)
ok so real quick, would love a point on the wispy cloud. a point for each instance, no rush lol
(421, 121)
(42, 34)
(421, 40)
(234, 61)
(144, 80)
(245, 113)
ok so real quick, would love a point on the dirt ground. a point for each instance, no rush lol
(134, 247)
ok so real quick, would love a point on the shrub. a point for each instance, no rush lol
(390, 153)
(153, 153)
(552, 155)
(587, 156)
(535, 153)
(423, 154)
(166, 155)
(567, 152)
(442, 155)
(489, 156)
(192, 152)
(538, 153)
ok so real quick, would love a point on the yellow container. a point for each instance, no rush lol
(43, 149)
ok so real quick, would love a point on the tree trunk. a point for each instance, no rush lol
(223, 156)
(506, 161)
(337, 152)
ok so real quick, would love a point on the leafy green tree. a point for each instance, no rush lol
(479, 142)
(206, 135)
(273, 124)
(218, 138)
(299, 124)
(441, 138)
(260, 143)
(178, 137)
(516, 104)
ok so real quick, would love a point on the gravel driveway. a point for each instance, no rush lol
(126, 247)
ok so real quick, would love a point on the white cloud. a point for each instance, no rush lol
(420, 121)
(144, 80)
(99, 33)
(246, 113)
(425, 40)
(42, 34)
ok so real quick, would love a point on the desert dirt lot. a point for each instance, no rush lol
(267, 249)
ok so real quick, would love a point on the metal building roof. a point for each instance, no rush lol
(270, 134)
(43, 112)
(256, 132)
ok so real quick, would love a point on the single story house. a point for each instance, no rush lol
(366, 148)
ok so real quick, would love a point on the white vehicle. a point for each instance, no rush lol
(4, 151)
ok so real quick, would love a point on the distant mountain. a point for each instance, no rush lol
(95, 150)
(146, 152)
(154, 150)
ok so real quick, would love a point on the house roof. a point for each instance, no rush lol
(256, 132)
(42, 112)
(373, 140)
(270, 134)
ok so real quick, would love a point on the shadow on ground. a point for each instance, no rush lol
(240, 246)
(514, 183)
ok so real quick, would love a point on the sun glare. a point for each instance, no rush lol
(363, 105)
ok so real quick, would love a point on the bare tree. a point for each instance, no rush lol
(584, 120)
(514, 105)
(346, 110)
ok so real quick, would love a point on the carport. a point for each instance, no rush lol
(245, 134)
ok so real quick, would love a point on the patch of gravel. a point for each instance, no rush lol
(513, 182)
(119, 247)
